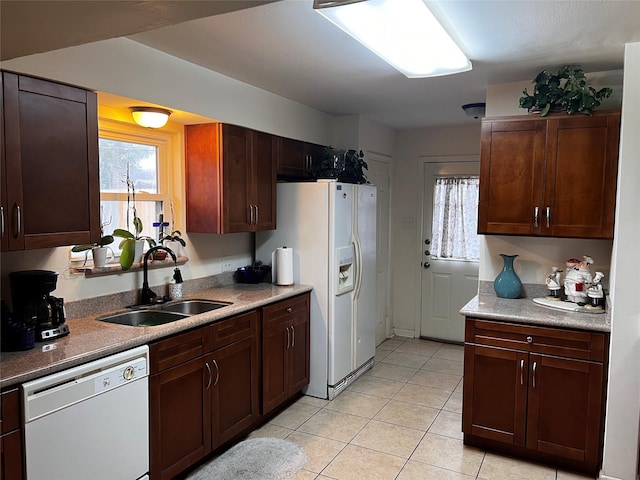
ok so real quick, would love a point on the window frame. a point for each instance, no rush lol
(164, 141)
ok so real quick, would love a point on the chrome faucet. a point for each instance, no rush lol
(147, 296)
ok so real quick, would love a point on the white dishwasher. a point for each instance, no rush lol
(91, 421)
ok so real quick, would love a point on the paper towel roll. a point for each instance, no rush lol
(284, 266)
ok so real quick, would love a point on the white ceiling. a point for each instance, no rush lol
(288, 49)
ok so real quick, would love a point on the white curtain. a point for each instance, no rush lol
(455, 218)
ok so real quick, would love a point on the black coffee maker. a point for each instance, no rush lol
(33, 305)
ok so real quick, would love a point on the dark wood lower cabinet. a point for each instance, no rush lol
(180, 410)
(235, 391)
(11, 456)
(11, 466)
(205, 390)
(285, 350)
(536, 392)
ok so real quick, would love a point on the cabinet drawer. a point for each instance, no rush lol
(178, 349)
(553, 341)
(284, 310)
(233, 329)
(9, 411)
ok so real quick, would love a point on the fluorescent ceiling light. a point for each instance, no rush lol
(404, 33)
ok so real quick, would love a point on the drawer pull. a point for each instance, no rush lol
(535, 364)
(521, 372)
(289, 309)
(206, 364)
(529, 339)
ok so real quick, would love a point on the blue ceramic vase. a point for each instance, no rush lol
(507, 284)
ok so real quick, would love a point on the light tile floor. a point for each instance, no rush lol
(401, 420)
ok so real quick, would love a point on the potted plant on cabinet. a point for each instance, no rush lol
(354, 167)
(345, 165)
(566, 91)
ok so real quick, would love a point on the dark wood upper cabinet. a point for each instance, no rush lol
(231, 179)
(51, 194)
(296, 157)
(552, 176)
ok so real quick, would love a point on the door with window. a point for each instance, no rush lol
(450, 247)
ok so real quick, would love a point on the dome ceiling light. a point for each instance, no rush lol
(150, 117)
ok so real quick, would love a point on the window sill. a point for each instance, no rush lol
(114, 267)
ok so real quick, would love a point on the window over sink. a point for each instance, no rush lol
(147, 153)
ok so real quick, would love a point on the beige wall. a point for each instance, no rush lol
(413, 147)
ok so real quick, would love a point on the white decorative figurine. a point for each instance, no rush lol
(595, 293)
(554, 284)
(577, 279)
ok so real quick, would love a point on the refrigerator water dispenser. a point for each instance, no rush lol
(345, 270)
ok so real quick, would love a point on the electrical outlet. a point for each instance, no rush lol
(227, 264)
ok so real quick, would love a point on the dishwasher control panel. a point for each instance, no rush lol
(120, 375)
(47, 395)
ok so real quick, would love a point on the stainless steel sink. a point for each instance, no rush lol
(144, 318)
(193, 307)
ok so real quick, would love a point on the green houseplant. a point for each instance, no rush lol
(103, 242)
(175, 235)
(345, 165)
(131, 237)
(566, 90)
(354, 167)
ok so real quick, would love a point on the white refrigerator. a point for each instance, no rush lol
(331, 228)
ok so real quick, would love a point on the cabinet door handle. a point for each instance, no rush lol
(535, 216)
(548, 217)
(293, 336)
(250, 214)
(217, 372)
(535, 365)
(206, 364)
(18, 220)
(257, 211)
(521, 372)
(2, 221)
(288, 337)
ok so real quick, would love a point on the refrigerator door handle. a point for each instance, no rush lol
(358, 261)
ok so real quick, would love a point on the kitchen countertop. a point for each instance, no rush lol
(91, 339)
(523, 310)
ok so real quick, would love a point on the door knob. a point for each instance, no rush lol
(426, 264)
